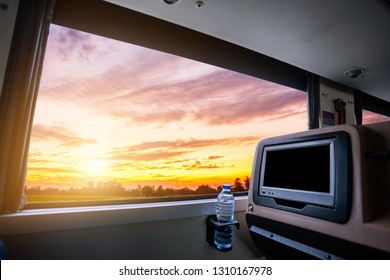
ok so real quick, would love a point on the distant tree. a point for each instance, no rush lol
(113, 187)
(109, 188)
(134, 191)
(185, 191)
(160, 191)
(205, 189)
(33, 190)
(169, 191)
(71, 191)
(247, 182)
(238, 186)
(147, 191)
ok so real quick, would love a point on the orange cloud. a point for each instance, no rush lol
(199, 165)
(147, 156)
(215, 157)
(52, 170)
(60, 134)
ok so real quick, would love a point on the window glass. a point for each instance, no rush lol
(116, 120)
(371, 117)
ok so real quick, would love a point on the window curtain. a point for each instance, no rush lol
(313, 100)
(18, 98)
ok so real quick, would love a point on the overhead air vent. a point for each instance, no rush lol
(354, 73)
(170, 2)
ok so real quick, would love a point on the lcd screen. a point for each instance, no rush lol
(305, 169)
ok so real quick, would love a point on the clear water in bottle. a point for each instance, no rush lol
(225, 213)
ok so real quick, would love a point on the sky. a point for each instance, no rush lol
(371, 117)
(109, 110)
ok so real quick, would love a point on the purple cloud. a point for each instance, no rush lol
(145, 86)
(191, 143)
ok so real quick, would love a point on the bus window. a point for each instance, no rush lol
(119, 121)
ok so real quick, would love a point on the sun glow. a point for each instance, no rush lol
(97, 167)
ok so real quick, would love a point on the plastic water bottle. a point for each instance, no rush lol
(225, 213)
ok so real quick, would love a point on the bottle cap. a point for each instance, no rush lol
(226, 186)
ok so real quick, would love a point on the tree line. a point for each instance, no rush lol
(116, 188)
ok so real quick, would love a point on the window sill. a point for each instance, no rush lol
(50, 219)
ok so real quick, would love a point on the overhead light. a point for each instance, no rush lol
(170, 2)
(199, 4)
(354, 73)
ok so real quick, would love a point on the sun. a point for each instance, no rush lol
(96, 167)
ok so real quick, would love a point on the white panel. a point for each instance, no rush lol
(328, 95)
(40, 220)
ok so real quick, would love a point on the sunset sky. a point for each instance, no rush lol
(108, 110)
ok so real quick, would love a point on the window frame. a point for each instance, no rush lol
(101, 21)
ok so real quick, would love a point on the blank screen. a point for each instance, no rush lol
(306, 168)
